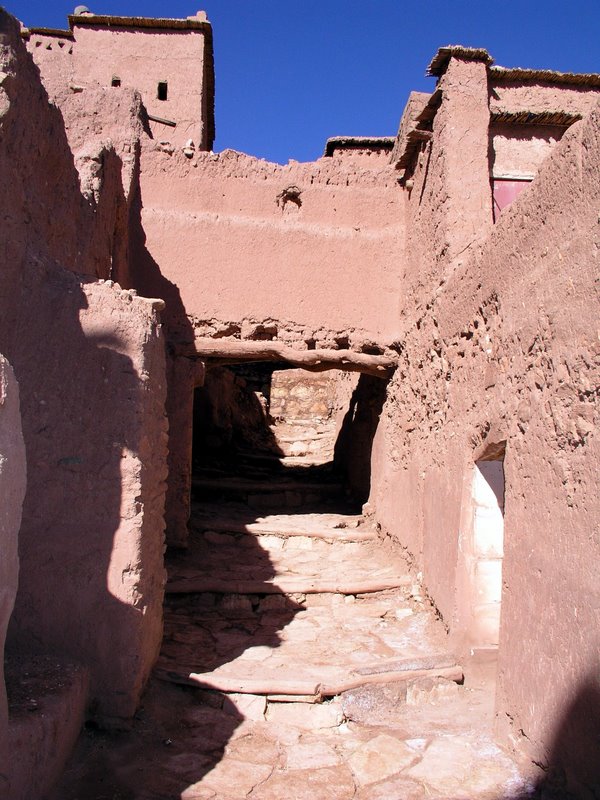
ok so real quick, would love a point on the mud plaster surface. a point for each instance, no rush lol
(94, 426)
(12, 492)
(508, 352)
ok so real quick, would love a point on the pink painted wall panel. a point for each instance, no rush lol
(505, 192)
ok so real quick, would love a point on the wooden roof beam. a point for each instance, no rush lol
(220, 352)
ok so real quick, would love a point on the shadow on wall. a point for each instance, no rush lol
(180, 733)
(145, 276)
(352, 455)
(572, 769)
(231, 416)
(83, 438)
(83, 409)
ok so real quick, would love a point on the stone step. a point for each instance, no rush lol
(301, 653)
(278, 689)
(305, 440)
(235, 518)
(328, 423)
(308, 448)
(311, 468)
(307, 454)
(310, 459)
(192, 582)
(273, 477)
(301, 436)
(271, 494)
(269, 461)
(47, 700)
(240, 564)
(275, 485)
(281, 468)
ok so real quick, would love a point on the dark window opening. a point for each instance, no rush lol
(116, 81)
(163, 90)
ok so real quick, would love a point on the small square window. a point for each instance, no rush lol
(163, 90)
(116, 81)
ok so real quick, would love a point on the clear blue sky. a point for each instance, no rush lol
(291, 73)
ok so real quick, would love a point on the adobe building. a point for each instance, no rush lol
(169, 61)
(448, 278)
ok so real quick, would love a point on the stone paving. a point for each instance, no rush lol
(300, 564)
(426, 740)
(301, 661)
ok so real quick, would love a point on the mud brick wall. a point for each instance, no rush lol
(224, 241)
(508, 353)
(90, 364)
(298, 394)
(449, 210)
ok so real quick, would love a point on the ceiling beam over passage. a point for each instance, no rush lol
(235, 351)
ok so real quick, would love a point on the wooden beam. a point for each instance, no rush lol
(219, 352)
(299, 687)
(162, 120)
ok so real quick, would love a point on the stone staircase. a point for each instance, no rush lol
(299, 661)
(292, 607)
(269, 488)
(308, 439)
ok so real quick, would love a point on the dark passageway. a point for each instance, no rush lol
(297, 438)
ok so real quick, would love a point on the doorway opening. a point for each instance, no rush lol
(486, 550)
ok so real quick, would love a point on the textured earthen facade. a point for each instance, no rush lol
(170, 62)
(127, 245)
(12, 483)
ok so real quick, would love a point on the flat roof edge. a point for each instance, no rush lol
(159, 23)
(437, 65)
(515, 74)
(58, 32)
(384, 142)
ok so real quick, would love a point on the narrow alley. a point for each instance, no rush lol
(301, 658)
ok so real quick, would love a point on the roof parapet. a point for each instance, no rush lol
(439, 62)
(561, 119)
(517, 74)
(357, 143)
(58, 33)
(161, 23)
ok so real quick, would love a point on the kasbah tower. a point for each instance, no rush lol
(298, 464)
